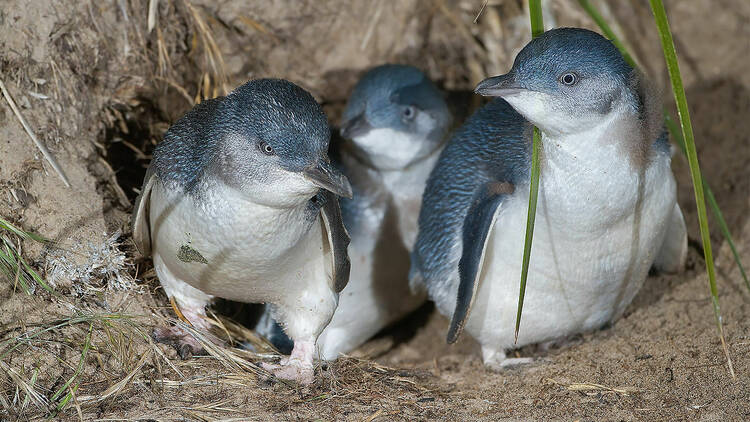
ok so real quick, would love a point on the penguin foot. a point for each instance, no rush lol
(291, 370)
(497, 360)
(296, 367)
(185, 344)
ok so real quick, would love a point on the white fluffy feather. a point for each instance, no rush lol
(600, 224)
(222, 228)
(378, 292)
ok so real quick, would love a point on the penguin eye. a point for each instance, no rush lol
(569, 78)
(265, 148)
(409, 112)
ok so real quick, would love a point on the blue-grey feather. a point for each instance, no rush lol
(377, 95)
(569, 49)
(383, 89)
(272, 110)
(494, 145)
(187, 147)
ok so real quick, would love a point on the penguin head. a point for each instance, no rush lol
(395, 116)
(272, 141)
(566, 81)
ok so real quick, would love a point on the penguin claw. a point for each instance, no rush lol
(291, 369)
(296, 367)
(498, 361)
(185, 344)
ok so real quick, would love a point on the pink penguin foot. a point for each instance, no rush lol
(185, 344)
(178, 337)
(298, 366)
(292, 370)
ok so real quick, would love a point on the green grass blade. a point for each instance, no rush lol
(670, 55)
(12, 264)
(32, 384)
(674, 130)
(535, 14)
(530, 219)
(537, 28)
(67, 386)
(725, 230)
(86, 346)
(607, 30)
(34, 275)
(6, 225)
(11, 268)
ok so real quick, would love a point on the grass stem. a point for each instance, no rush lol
(674, 130)
(670, 55)
(537, 28)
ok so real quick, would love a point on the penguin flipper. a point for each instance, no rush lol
(139, 222)
(477, 227)
(338, 239)
(673, 253)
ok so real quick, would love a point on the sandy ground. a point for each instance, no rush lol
(100, 88)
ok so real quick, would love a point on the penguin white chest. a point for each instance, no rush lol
(230, 247)
(599, 225)
(406, 187)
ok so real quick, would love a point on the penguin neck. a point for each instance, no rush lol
(618, 142)
(595, 169)
(401, 180)
(217, 197)
(405, 188)
(407, 180)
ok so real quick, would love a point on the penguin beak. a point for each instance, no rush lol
(499, 86)
(357, 126)
(327, 177)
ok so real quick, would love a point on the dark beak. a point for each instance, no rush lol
(327, 177)
(356, 126)
(499, 86)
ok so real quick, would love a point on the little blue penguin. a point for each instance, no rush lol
(240, 203)
(607, 209)
(396, 122)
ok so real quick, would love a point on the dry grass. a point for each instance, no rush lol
(594, 389)
(42, 148)
(73, 365)
(214, 81)
(91, 356)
